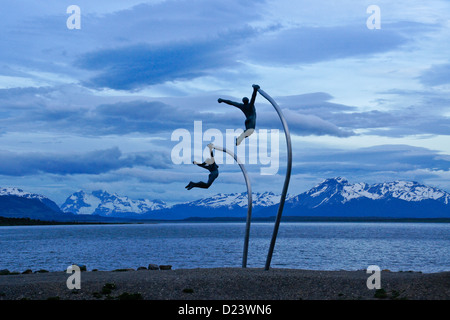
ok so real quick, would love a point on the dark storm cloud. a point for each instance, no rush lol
(136, 66)
(35, 35)
(399, 121)
(36, 109)
(46, 110)
(94, 162)
(154, 117)
(133, 67)
(383, 158)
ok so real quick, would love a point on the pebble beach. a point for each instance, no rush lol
(225, 284)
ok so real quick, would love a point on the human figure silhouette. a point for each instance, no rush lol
(249, 110)
(211, 166)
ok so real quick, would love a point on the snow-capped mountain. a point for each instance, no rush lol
(334, 197)
(338, 197)
(13, 191)
(408, 191)
(16, 203)
(339, 190)
(220, 205)
(233, 200)
(105, 204)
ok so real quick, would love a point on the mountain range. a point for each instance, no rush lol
(399, 199)
(334, 197)
(16, 203)
(105, 204)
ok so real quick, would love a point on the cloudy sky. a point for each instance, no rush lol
(95, 108)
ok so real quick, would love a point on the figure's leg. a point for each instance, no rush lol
(250, 124)
(244, 135)
(204, 185)
(200, 184)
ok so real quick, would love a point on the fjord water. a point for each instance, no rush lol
(311, 245)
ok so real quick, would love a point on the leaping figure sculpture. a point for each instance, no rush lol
(249, 110)
(211, 166)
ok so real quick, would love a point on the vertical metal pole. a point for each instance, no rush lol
(286, 180)
(249, 210)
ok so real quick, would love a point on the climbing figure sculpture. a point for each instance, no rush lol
(248, 108)
(211, 166)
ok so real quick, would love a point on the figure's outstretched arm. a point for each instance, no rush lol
(232, 103)
(210, 160)
(203, 165)
(255, 91)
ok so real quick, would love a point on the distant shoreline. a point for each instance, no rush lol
(35, 222)
(30, 222)
(319, 219)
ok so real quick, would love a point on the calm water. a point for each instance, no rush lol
(320, 246)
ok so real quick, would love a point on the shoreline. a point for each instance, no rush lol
(226, 284)
(293, 219)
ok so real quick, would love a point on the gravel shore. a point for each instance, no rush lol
(226, 284)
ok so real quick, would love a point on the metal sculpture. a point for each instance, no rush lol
(286, 180)
(249, 110)
(211, 166)
(249, 209)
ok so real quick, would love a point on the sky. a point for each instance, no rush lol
(95, 107)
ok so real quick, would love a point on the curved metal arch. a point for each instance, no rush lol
(249, 195)
(286, 180)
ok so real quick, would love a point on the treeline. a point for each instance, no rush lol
(35, 222)
(24, 222)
